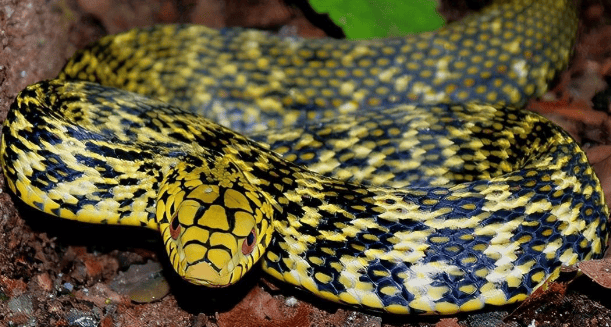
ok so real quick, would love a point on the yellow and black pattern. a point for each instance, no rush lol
(250, 80)
(434, 198)
(220, 216)
(488, 241)
(437, 249)
(408, 145)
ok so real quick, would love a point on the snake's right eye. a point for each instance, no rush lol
(249, 243)
(175, 227)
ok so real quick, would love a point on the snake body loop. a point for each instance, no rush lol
(250, 80)
(389, 175)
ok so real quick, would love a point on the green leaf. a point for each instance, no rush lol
(366, 19)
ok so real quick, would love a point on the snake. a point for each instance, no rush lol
(397, 175)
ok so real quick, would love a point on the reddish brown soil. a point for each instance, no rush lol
(57, 273)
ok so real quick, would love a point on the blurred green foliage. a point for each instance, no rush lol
(366, 19)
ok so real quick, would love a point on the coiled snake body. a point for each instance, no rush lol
(386, 174)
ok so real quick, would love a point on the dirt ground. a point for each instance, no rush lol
(61, 273)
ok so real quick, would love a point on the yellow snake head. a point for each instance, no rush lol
(214, 224)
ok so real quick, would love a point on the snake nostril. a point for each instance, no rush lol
(249, 242)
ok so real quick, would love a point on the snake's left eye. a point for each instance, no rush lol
(249, 242)
(175, 227)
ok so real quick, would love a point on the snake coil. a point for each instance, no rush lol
(396, 175)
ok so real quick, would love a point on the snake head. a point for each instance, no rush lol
(214, 228)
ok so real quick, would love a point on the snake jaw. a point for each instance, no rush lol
(202, 273)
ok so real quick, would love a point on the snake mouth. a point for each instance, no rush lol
(202, 273)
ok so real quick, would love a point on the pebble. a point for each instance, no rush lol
(142, 283)
(21, 304)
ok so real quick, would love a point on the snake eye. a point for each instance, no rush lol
(175, 227)
(249, 242)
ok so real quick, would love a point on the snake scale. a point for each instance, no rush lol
(395, 175)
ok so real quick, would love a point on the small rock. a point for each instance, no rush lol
(142, 283)
(45, 282)
(101, 295)
(81, 319)
(21, 304)
(68, 287)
